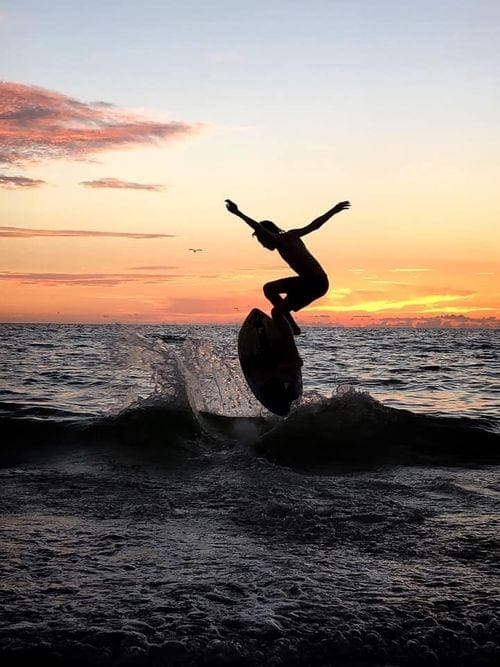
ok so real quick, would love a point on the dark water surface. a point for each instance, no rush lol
(152, 513)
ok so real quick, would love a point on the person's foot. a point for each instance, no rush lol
(284, 319)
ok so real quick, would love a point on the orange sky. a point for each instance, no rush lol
(101, 201)
(70, 253)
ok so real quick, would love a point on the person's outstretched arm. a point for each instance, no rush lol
(256, 226)
(318, 222)
(232, 208)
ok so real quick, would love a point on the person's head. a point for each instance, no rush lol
(264, 239)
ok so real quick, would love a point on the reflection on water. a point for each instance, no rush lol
(88, 369)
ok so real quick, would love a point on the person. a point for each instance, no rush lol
(311, 281)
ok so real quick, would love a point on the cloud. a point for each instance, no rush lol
(37, 124)
(27, 232)
(389, 282)
(440, 322)
(87, 279)
(458, 310)
(19, 182)
(444, 321)
(403, 289)
(340, 293)
(122, 185)
(411, 270)
(412, 301)
(254, 270)
(364, 294)
(151, 268)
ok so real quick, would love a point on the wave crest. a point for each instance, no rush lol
(352, 427)
(200, 402)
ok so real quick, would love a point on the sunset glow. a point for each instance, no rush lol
(111, 171)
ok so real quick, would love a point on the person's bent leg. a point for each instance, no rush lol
(291, 356)
(282, 316)
(272, 291)
(293, 324)
(301, 293)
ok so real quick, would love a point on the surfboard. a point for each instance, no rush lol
(270, 363)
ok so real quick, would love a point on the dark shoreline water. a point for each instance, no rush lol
(152, 514)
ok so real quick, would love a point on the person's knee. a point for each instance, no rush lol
(269, 291)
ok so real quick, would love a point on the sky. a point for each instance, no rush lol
(125, 125)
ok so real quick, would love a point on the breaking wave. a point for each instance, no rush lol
(351, 427)
(201, 403)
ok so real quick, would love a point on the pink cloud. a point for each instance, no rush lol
(37, 124)
(18, 182)
(27, 232)
(122, 185)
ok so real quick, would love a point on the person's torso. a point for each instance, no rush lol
(293, 250)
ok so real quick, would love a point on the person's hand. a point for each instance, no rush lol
(231, 206)
(341, 206)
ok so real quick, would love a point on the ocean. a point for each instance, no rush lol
(153, 513)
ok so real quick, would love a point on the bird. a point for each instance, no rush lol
(196, 249)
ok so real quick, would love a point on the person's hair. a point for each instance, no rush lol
(264, 238)
(270, 226)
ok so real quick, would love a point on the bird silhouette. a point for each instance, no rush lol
(196, 249)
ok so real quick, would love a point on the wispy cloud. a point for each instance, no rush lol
(37, 124)
(446, 321)
(366, 294)
(151, 268)
(412, 321)
(340, 293)
(28, 232)
(360, 303)
(122, 185)
(87, 279)
(258, 269)
(409, 269)
(19, 182)
(389, 282)
(460, 310)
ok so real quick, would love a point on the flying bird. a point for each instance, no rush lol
(196, 249)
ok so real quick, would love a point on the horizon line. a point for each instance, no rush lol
(233, 324)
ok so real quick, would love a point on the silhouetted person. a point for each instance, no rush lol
(311, 282)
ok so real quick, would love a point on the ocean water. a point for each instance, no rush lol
(152, 513)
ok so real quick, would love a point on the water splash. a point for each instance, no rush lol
(198, 374)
